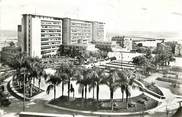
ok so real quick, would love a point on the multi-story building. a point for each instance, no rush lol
(122, 41)
(76, 31)
(119, 40)
(82, 32)
(178, 50)
(41, 35)
(148, 42)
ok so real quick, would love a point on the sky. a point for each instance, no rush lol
(119, 15)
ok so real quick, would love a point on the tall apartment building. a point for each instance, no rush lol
(42, 35)
(82, 32)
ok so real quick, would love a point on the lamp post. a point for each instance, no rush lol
(24, 75)
(167, 111)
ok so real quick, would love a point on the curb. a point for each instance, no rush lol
(15, 93)
(146, 112)
(96, 112)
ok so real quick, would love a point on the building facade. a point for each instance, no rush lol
(178, 50)
(147, 42)
(124, 42)
(82, 32)
(42, 35)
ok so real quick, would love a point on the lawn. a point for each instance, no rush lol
(135, 104)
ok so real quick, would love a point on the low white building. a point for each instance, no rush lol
(124, 56)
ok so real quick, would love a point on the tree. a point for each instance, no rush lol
(139, 44)
(96, 76)
(67, 69)
(148, 54)
(53, 82)
(12, 44)
(172, 45)
(145, 63)
(110, 79)
(123, 81)
(62, 75)
(18, 63)
(35, 72)
(83, 79)
(164, 57)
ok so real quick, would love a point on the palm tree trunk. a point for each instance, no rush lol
(127, 102)
(93, 92)
(85, 91)
(97, 91)
(39, 82)
(111, 97)
(24, 92)
(68, 89)
(54, 92)
(122, 96)
(73, 94)
(111, 93)
(33, 80)
(30, 84)
(62, 88)
(82, 93)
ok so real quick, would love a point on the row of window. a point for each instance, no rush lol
(51, 23)
(50, 31)
(80, 37)
(81, 24)
(48, 51)
(51, 39)
(51, 27)
(80, 31)
(49, 47)
(48, 44)
(50, 35)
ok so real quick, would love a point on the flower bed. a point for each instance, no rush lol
(152, 87)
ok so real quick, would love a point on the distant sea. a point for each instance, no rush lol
(7, 36)
(169, 36)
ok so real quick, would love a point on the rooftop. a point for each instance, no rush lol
(60, 18)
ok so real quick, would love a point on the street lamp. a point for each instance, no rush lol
(167, 111)
(24, 91)
(24, 75)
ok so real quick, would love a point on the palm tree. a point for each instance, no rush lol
(35, 71)
(53, 82)
(66, 71)
(21, 73)
(123, 81)
(83, 79)
(96, 75)
(17, 63)
(63, 76)
(93, 76)
(110, 80)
